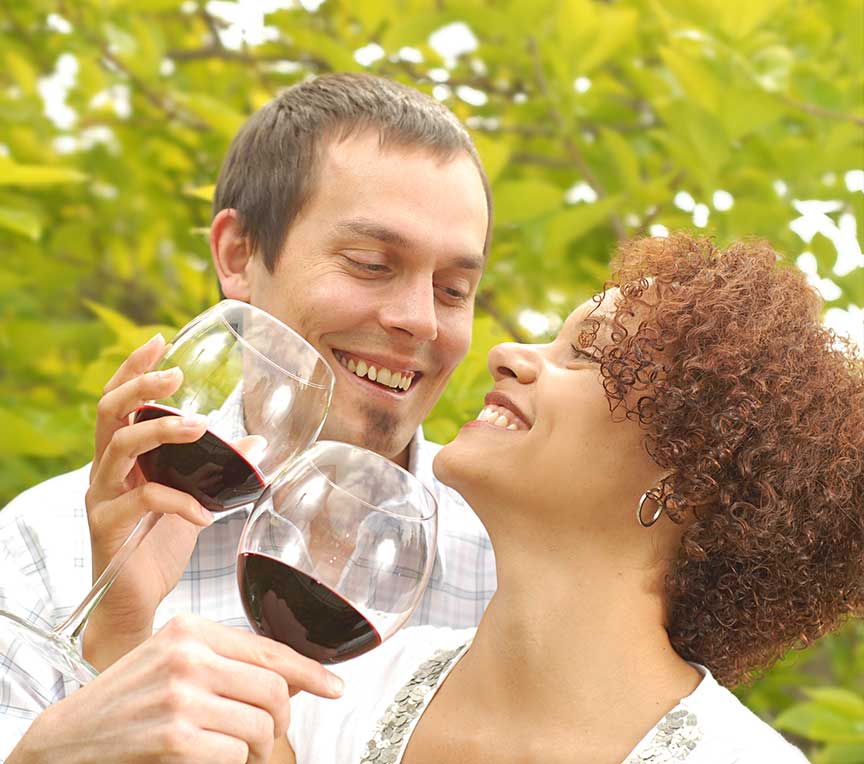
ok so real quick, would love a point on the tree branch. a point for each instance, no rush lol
(572, 149)
(486, 301)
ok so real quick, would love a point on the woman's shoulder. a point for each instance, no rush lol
(730, 733)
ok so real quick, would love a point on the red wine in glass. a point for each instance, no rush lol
(210, 469)
(291, 607)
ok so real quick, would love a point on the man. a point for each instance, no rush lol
(356, 210)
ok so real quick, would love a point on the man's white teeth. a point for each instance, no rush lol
(498, 416)
(391, 379)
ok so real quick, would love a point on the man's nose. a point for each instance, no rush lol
(411, 309)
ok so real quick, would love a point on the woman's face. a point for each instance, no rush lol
(547, 436)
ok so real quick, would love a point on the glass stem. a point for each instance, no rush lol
(72, 627)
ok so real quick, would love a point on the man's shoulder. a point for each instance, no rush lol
(49, 497)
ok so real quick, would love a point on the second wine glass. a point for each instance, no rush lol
(337, 552)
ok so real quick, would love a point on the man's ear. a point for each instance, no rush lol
(232, 255)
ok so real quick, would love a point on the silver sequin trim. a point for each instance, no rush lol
(389, 739)
(677, 735)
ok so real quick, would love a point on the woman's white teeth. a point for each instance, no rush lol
(391, 379)
(498, 417)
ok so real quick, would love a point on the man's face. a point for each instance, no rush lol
(379, 270)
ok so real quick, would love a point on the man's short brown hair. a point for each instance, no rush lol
(271, 168)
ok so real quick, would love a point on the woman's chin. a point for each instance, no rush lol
(453, 465)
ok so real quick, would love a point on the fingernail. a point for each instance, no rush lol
(207, 515)
(157, 336)
(169, 373)
(193, 421)
(336, 685)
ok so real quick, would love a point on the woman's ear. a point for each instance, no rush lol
(231, 254)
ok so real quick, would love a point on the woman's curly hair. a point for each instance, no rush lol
(757, 411)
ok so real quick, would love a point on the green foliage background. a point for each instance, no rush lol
(103, 219)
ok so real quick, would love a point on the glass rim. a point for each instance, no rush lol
(305, 455)
(248, 306)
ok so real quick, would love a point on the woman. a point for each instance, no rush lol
(648, 556)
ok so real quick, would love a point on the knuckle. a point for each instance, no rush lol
(148, 495)
(181, 629)
(175, 698)
(173, 741)
(261, 727)
(277, 690)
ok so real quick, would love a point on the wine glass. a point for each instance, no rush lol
(337, 552)
(265, 392)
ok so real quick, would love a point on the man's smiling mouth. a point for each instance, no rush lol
(393, 379)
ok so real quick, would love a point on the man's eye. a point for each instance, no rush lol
(453, 294)
(367, 267)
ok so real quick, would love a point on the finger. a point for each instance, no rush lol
(240, 721)
(201, 746)
(140, 360)
(127, 509)
(128, 443)
(254, 686)
(115, 407)
(299, 672)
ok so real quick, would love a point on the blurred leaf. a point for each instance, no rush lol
(13, 174)
(523, 200)
(21, 221)
(840, 753)
(202, 192)
(818, 721)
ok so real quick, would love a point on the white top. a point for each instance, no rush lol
(45, 572)
(387, 690)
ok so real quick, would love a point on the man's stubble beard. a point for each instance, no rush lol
(378, 431)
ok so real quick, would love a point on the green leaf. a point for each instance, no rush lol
(616, 29)
(519, 201)
(13, 174)
(740, 18)
(20, 436)
(838, 699)
(493, 154)
(201, 192)
(116, 322)
(22, 71)
(221, 117)
(840, 753)
(818, 722)
(625, 158)
(572, 224)
(697, 81)
(21, 221)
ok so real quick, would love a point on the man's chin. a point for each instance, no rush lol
(393, 443)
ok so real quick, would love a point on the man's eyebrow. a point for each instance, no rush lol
(371, 230)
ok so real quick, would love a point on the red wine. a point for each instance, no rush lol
(210, 469)
(293, 608)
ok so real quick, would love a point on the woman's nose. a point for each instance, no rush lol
(510, 359)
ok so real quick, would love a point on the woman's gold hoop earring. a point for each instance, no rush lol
(654, 518)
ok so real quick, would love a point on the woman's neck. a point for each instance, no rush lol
(575, 632)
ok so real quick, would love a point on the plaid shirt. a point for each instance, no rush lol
(45, 572)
